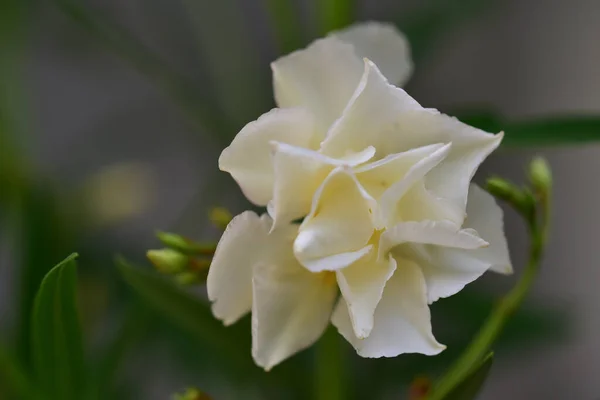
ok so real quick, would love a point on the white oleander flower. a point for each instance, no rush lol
(383, 187)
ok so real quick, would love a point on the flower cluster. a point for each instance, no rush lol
(390, 221)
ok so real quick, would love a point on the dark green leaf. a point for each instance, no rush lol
(471, 386)
(56, 336)
(190, 314)
(285, 23)
(553, 131)
(559, 130)
(334, 14)
(42, 242)
(14, 380)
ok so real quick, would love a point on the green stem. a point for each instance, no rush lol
(284, 20)
(495, 323)
(334, 14)
(329, 368)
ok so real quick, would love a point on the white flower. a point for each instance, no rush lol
(383, 185)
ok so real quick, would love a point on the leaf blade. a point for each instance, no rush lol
(14, 378)
(56, 335)
(548, 131)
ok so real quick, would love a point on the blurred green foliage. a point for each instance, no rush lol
(216, 103)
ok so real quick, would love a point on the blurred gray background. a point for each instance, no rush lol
(524, 58)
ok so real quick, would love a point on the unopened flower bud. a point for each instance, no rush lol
(187, 278)
(184, 245)
(192, 394)
(501, 188)
(540, 175)
(168, 261)
(220, 216)
(522, 199)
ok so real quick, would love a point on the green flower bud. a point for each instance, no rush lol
(186, 246)
(521, 199)
(540, 175)
(168, 261)
(220, 217)
(187, 278)
(501, 188)
(192, 394)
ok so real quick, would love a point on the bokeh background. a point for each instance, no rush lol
(144, 94)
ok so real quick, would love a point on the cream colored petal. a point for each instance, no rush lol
(298, 174)
(384, 45)
(291, 310)
(390, 200)
(420, 204)
(487, 218)
(387, 118)
(379, 175)
(336, 261)
(362, 285)
(447, 270)
(320, 78)
(371, 117)
(470, 146)
(229, 281)
(441, 233)
(340, 220)
(248, 157)
(402, 321)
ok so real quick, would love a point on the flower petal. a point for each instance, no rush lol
(298, 174)
(320, 78)
(487, 218)
(395, 122)
(229, 281)
(441, 233)
(370, 117)
(362, 286)
(402, 321)
(291, 309)
(390, 209)
(384, 45)
(336, 261)
(378, 176)
(339, 221)
(448, 270)
(248, 157)
(420, 204)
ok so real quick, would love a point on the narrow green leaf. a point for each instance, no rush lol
(190, 314)
(553, 131)
(56, 335)
(42, 240)
(550, 131)
(334, 14)
(14, 379)
(469, 388)
(285, 23)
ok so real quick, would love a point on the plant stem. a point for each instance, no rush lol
(329, 368)
(284, 20)
(334, 14)
(495, 323)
